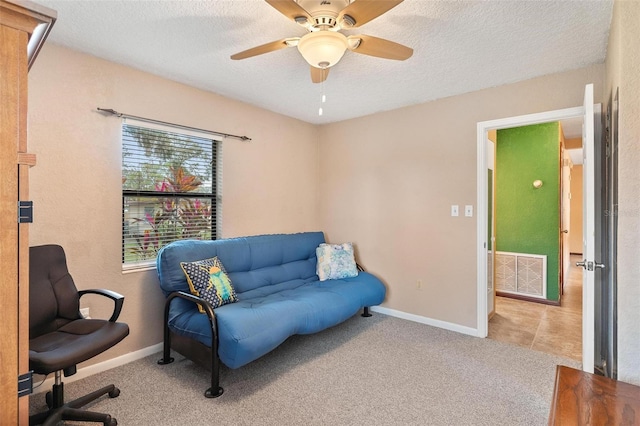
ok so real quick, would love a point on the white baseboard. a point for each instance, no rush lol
(150, 350)
(425, 320)
(99, 367)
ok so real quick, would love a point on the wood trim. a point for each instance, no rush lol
(29, 17)
(23, 292)
(560, 212)
(12, 54)
(21, 35)
(24, 15)
(23, 235)
(26, 160)
(13, 17)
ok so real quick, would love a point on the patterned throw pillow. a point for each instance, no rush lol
(335, 261)
(208, 279)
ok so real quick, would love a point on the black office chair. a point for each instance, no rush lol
(60, 338)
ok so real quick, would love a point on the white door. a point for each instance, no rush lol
(491, 253)
(588, 233)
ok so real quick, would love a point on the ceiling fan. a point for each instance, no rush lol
(323, 46)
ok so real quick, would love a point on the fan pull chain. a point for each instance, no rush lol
(323, 98)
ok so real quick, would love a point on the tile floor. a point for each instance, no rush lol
(546, 328)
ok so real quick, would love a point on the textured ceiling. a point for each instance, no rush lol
(459, 46)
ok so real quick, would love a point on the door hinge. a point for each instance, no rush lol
(25, 211)
(25, 384)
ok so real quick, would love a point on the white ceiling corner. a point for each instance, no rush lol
(459, 47)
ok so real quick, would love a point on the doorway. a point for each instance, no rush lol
(599, 325)
(482, 193)
(531, 253)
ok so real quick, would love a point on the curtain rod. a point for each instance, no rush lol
(150, 120)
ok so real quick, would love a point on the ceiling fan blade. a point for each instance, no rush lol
(363, 11)
(374, 46)
(266, 48)
(318, 75)
(289, 8)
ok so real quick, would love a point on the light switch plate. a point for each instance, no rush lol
(468, 210)
(454, 210)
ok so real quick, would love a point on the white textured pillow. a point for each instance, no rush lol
(335, 261)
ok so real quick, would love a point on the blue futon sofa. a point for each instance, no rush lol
(278, 292)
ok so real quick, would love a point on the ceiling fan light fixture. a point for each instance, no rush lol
(322, 49)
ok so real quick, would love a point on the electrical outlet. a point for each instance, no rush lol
(85, 313)
(419, 284)
(454, 210)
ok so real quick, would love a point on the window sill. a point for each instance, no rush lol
(138, 267)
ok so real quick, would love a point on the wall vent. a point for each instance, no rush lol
(521, 273)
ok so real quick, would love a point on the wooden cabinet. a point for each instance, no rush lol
(581, 398)
(23, 28)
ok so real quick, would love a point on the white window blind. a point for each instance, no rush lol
(170, 189)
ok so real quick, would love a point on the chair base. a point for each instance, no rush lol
(71, 410)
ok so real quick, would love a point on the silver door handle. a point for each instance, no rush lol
(589, 265)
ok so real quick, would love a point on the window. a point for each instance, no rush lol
(170, 180)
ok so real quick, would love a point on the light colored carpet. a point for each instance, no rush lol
(379, 370)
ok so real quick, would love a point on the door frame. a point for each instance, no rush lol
(482, 193)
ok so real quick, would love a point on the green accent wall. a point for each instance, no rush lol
(527, 219)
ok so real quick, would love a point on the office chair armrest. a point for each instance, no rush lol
(117, 298)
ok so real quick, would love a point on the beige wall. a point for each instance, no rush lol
(623, 72)
(575, 222)
(384, 181)
(492, 135)
(270, 184)
(573, 143)
(389, 179)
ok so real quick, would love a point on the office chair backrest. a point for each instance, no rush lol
(53, 296)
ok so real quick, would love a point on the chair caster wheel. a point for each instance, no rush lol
(111, 422)
(114, 394)
(49, 399)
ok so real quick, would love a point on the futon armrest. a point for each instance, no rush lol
(195, 299)
(215, 390)
(117, 298)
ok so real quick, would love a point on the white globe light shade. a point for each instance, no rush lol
(322, 49)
